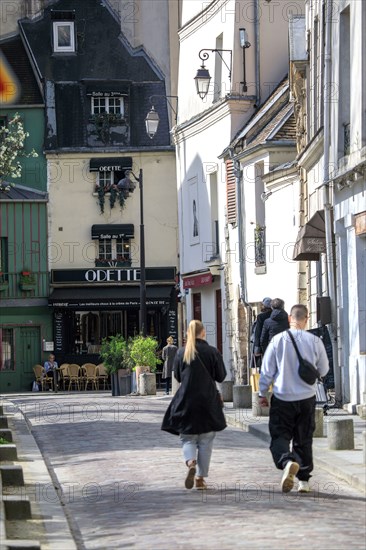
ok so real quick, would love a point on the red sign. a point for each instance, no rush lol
(197, 280)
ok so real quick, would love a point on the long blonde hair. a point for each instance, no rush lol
(195, 328)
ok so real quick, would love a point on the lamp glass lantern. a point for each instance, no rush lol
(152, 122)
(202, 79)
(243, 36)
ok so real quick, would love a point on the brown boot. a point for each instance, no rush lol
(200, 483)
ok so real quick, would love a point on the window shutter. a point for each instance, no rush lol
(230, 192)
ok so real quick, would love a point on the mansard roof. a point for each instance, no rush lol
(102, 52)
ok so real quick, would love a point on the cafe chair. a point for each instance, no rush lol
(46, 382)
(90, 375)
(74, 376)
(102, 376)
(64, 375)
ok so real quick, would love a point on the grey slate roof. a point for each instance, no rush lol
(22, 193)
(103, 61)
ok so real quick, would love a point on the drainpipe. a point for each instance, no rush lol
(243, 286)
(257, 55)
(328, 206)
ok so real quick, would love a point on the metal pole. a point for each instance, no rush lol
(142, 260)
(328, 207)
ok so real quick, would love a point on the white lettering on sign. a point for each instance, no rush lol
(116, 168)
(111, 275)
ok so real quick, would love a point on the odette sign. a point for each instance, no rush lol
(112, 275)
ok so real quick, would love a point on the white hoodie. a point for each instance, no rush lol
(280, 365)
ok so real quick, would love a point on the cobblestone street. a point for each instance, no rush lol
(122, 482)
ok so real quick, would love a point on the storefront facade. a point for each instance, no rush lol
(91, 304)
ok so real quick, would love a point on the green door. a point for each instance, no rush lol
(28, 353)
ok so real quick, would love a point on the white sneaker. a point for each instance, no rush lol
(303, 487)
(288, 477)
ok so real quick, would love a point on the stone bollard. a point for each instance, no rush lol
(340, 434)
(257, 410)
(227, 391)
(319, 423)
(147, 383)
(242, 397)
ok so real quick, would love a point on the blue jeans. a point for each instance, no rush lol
(198, 447)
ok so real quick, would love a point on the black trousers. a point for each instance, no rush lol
(292, 421)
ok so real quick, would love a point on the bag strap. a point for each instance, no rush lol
(295, 345)
(204, 366)
(299, 355)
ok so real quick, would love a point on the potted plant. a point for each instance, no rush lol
(143, 352)
(27, 280)
(115, 354)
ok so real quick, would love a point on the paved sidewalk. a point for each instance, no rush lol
(115, 480)
(346, 465)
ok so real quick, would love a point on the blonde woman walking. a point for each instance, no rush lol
(195, 412)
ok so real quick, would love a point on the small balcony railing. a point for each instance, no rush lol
(17, 285)
(260, 246)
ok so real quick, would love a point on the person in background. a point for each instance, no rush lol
(266, 311)
(195, 412)
(168, 355)
(276, 322)
(51, 368)
(292, 411)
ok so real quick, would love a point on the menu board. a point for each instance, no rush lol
(58, 332)
(172, 325)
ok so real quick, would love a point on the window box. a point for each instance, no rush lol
(112, 263)
(4, 285)
(27, 281)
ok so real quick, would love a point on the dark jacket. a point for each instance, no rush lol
(261, 317)
(168, 356)
(196, 408)
(277, 322)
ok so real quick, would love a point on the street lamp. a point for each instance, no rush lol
(244, 44)
(142, 319)
(203, 77)
(152, 118)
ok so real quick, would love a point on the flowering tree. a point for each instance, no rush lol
(12, 138)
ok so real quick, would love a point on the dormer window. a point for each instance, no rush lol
(107, 104)
(63, 31)
(63, 36)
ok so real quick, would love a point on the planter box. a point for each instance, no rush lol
(121, 382)
(27, 286)
(4, 286)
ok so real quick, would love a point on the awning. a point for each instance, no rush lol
(113, 164)
(112, 297)
(112, 231)
(201, 279)
(310, 242)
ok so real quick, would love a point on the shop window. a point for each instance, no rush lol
(6, 349)
(113, 253)
(63, 36)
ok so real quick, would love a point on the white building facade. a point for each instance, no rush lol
(210, 258)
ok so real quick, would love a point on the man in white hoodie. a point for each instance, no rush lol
(292, 412)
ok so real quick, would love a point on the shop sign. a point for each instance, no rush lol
(111, 275)
(197, 280)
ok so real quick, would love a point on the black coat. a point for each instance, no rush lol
(261, 317)
(277, 322)
(196, 408)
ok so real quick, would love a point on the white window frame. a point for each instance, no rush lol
(108, 107)
(56, 26)
(110, 249)
(105, 179)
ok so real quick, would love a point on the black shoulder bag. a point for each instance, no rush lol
(307, 372)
